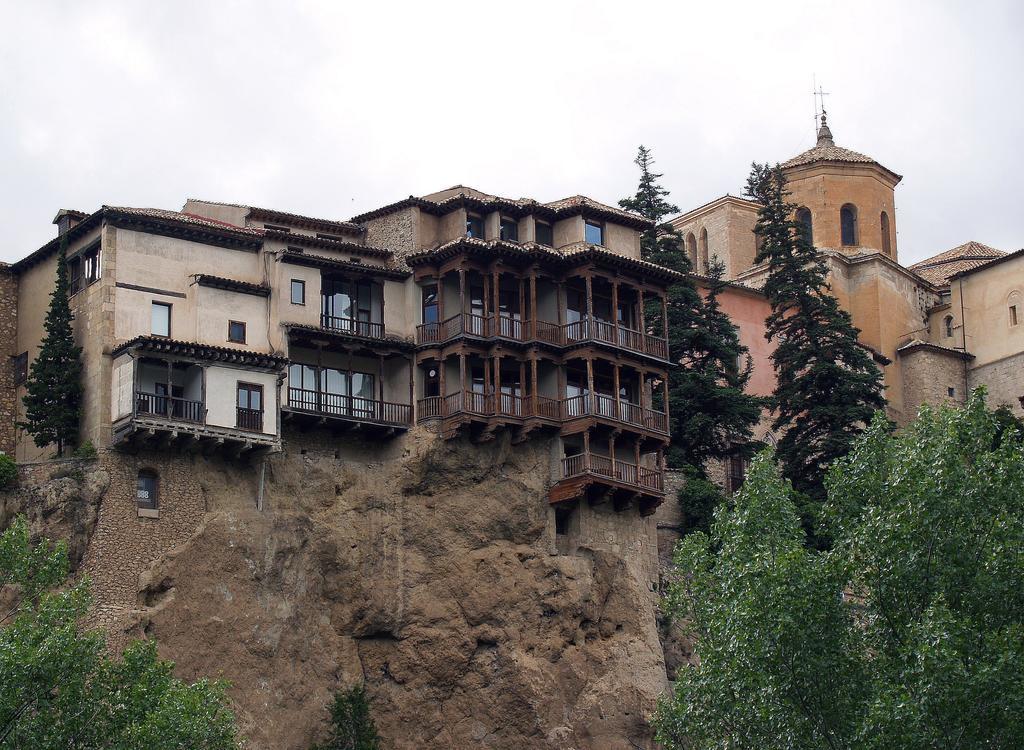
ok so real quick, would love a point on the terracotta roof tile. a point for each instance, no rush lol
(183, 218)
(938, 269)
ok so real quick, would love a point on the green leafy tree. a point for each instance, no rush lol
(352, 727)
(907, 634)
(54, 390)
(711, 416)
(827, 386)
(60, 689)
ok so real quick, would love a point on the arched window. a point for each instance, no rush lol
(691, 249)
(803, 218)
(947, 326)
(1013, 308)
(702, 265)
(848, 224)
(147, 489)
(886, 237)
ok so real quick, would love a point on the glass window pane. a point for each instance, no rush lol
(545, 235)
(161, 319)
(475, 226)
(595, 234)
(510, 230)
(362, 385)
(298, 292)
(333, 381)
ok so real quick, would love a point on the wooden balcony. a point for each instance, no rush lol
(604, 408)
(487, 405)
(349, 408)
(601, 478)
(588, 330)
(169, 407)
(352, 327)
(249, 419)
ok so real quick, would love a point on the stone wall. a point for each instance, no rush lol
(928, 374)
(1004, 380)
(8, 351)
(395, 231)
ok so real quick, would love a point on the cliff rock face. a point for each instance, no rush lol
(427, 569)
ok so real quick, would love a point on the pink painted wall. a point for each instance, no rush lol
(748, 310)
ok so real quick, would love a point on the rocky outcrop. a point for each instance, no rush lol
(425, 569)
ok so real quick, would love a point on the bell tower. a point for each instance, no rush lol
(845, 198)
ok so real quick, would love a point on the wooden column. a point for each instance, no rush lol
(522, 382)
(664, 397)
(664, 319)
(560, 301)
(611, 452)
(590, 301)
(440, 298)
(640, 305)
(615, 309)
(522, 310)
(380, 379)
(618, 408)
(412, 386)
(496, 378)
(560, 376)
(533, 303)
(462, 291)
(636, 447)
(590, 385)
(534, 397)
(586, 450)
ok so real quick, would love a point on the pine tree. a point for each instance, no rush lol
(54, 389)
(352, 727)
(827, 386)
(711, 416)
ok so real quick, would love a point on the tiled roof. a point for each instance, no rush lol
(183, 218)
(320, 261)
(826, 150)
(232, 285)
(940, 268)
(915, 344)
(1001, 259)
(285, 217)
(307, 240)
(527, 251)
(161, 345)
(445, 200)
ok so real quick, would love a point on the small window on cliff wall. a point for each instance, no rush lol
(562, 518)
(146, 490)
(19, 364)
(947, 326)
(1013, 308)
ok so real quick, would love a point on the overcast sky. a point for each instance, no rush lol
(334, 108)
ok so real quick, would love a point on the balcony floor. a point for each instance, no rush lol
(155, 432)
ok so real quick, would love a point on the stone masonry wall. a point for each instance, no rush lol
(1004, 380)
(8, 350)
(927, 377)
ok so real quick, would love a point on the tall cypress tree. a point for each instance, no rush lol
(710, 415)
(827, 386)
(54, 389)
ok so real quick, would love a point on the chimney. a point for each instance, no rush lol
(67, 218)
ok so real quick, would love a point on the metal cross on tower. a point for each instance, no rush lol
(819, 97)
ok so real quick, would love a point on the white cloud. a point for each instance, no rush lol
(334, 108)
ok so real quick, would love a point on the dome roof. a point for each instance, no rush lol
(826, 150)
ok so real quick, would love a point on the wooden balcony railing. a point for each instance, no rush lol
(171, 407)
(592, 329)
(604, 406)
(351, 407)
(511, 405)
(249, 419)
(352, 326)
(625, 472)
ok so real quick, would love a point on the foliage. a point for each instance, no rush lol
(710, 416)
(85, 450)
(698, 498)
(54, 390)
(8, 471)
(827, 386)
(352, 727)
(61, 690)
(908, 633)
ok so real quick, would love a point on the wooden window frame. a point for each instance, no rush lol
(239, 386)
(169, 307)
(551, 230)
(154, 503)
(236, 323)
(302, 285)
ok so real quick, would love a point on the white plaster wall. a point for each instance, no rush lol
(121, 387)
(222, 395)
(217, 306)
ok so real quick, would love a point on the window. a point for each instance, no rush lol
(737, 472)
(594, 233)
(562, 518)
(475, 226)
(347, 305)
(951, 392)
(886, 238)
(947, 326)
(432, 384)
(691, 249)
(545, 234)
(848, 224)
(1013, 307)
(704, 264)
(332, 237)
(803, 218)
(298, 292)
(1013, 315)
(276, 228)
(161, 319)
(509, 229)
(146, 488)
(19, 364)
(431, 310)
(250, 407)
(236, 332)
